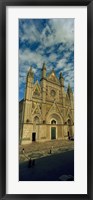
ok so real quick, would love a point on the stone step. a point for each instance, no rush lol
(45, 146)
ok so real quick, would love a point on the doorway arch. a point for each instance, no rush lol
(54, 117)
(33, 136)
(53, 133)
(55, 121)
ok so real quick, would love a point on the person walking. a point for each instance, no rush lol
(50, 151)
(33, 162)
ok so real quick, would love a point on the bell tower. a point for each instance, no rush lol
(29, 84)
(43, 90)
(43, 82)
(44, 71)
(70, 94)
(61, 79)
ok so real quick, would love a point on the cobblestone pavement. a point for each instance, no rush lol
(38, 150)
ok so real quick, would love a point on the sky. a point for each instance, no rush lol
(46, 40)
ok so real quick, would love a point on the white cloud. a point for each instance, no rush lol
(61, 48)
(64, 29)
(30, 57)
(61, 63)
(52, 57)
(60, 31)
(30, 33)
(56, 31)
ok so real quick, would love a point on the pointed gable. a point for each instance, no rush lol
(36, 110)
(54, 108)
(52, 77)
(37, 89)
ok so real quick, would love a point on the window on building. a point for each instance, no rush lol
(36, 120)
(27, 121)
(69, 122)
(53, 121)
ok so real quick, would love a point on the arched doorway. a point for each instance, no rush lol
(55, 122)
(69, 128)
(53, 133)
(35, 126)
(33, 136)
(53, 129)
(68, 135)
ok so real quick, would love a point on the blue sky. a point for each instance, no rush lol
(46, 40)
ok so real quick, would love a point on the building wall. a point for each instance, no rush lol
(43, 103)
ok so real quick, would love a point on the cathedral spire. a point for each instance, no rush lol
(44, 66)
(30, 72)
(61, 79)
(60, 75)
(53, 69)
(69, 89)
(44, 70)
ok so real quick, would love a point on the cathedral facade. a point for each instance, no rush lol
(47, 110)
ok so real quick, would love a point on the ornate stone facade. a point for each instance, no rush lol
(47, 111)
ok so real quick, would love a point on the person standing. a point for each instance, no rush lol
(29, 163)
(33, 162)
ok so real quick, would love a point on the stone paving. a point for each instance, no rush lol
(37, 150)
(48, 168)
